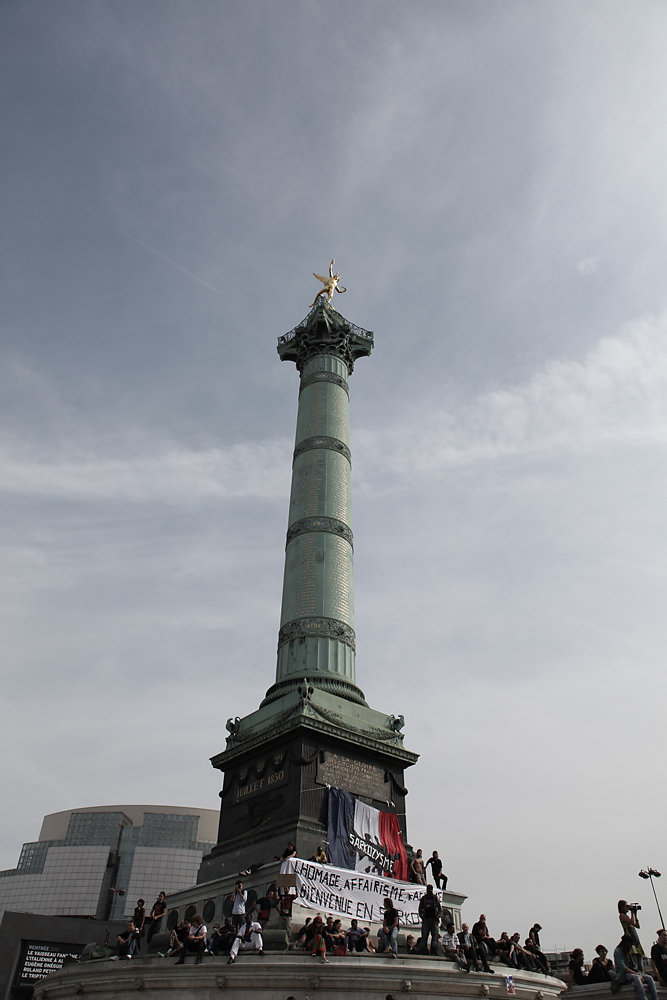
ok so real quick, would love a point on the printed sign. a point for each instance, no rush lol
(346, 893)
(41, 958)
(286, 880)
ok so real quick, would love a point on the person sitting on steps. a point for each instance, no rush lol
(248, 938)
(388, 934)
(195, 941)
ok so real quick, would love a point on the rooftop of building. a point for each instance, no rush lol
(55, 825)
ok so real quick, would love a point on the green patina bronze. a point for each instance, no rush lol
(316, 638)
(314, 720)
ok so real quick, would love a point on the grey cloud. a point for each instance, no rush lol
(461, 162)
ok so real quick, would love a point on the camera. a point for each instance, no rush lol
(634, 906)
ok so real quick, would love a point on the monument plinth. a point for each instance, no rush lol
(314, 728)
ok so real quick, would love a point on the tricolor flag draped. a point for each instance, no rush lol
(363, 838)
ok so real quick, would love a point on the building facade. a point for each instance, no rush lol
(84, 857)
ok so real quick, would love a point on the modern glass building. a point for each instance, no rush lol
(83, 857)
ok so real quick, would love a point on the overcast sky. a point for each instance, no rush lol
(491, 179)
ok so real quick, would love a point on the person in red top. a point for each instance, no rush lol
(314, 937)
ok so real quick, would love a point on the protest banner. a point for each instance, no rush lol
(346, 893)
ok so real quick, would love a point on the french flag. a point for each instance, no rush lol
(363, 838)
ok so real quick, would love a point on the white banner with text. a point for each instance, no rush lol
(346, 893)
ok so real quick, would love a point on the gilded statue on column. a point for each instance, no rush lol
(330, 284)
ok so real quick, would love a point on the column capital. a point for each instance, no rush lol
(325, 331)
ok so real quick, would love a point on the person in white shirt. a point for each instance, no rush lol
(196, 941)
(248, 938)
(451, 947)
(239, 900)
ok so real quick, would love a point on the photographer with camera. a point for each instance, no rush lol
(239, 900)
(627, 914)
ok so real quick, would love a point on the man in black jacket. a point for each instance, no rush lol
(430, 912)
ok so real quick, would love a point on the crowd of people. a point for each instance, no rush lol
(128, 943)
(479, 946)
(471, 949)
(417, 867)
(627, 967)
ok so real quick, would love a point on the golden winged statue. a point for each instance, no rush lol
(330, 284)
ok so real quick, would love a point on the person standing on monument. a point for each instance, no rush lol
(436, 868)
(286, 897)
(417, 868)
(158, 910)
(627, 914)
(265, 905)
(388, 934)
(239, 900)
(430, 911)
(139, 919)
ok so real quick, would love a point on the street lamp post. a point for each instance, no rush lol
(650, 874)
(114, 892)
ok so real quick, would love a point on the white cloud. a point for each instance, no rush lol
(616, 393)
(589, 265)
(173, 476)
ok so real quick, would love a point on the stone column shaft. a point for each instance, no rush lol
(318, 602)
(316, 638)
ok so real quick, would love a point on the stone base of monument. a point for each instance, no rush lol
(297, 974)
